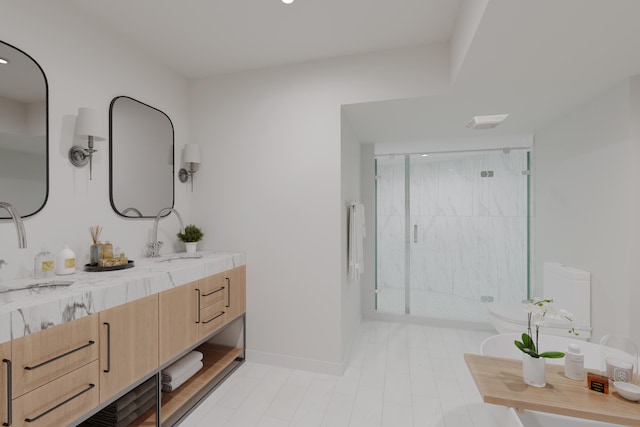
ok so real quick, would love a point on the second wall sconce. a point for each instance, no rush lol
(191, 155)
(88, 125)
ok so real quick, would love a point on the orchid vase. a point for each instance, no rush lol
(534, 370)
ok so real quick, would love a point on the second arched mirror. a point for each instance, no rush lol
(141, 152)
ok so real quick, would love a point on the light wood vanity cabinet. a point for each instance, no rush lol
(178, 320)
(60, 401)
(44, 356)
(212, 292)
(62, 374)
(220, 300)
(128, 344)
(236, 292)
(194, 311)
(5, 393)
(55, 374)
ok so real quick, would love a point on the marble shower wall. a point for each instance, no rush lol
(471, 230)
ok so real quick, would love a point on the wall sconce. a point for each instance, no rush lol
(88, 125)
(191, 155)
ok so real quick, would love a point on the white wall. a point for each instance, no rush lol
(587, 203)
(85, 67)
(350, 173)
(270, 184)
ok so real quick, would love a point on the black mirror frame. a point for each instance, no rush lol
(111, 171)
(46, 139)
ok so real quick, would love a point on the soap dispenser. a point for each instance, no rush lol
(44, 264)
(66, 261)
(574, 363)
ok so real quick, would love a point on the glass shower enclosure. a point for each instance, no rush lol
(452, 233)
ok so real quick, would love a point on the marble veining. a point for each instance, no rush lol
(26, 311)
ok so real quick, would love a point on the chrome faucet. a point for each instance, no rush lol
(17, 220)
(154, 246)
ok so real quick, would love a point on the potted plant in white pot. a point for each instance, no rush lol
(191, 236)
(533, 361)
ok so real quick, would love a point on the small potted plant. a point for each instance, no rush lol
(533, 361)
(191, 236)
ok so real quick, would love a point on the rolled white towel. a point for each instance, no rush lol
(179, 380)
(181, 366)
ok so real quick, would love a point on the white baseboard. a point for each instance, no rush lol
(312, 365)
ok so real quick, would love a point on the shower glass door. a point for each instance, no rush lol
(452, 233)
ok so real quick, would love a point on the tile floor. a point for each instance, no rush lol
(429, 304)
(398, 375)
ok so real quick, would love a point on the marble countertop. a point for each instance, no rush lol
(25, 311)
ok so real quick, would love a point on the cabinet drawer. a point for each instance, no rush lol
(5, 368)
(44, 356)
(212, 290)
(61, 401)
(212, 318)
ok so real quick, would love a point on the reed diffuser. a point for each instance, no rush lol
(95, 252)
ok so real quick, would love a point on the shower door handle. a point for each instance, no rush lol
(415, 233)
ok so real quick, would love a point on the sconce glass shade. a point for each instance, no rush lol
(191, 153)
(89, 123)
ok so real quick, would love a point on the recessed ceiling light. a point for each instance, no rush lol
(486, 122)
(287, 1)
(425, 155)
(3, 61)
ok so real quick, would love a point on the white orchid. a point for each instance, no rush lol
(542, 310)
(538, 312)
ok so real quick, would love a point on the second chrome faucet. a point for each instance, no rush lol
(154, 246)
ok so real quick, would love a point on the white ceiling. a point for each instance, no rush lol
(535, 60)
(199, 38)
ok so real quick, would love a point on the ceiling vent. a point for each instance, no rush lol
(486, 122)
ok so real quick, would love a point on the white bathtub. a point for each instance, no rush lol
(502, 346)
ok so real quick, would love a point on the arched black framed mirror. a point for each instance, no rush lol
(24, 132)
(141, 152)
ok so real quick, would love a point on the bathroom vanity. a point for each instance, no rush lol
(70, 351)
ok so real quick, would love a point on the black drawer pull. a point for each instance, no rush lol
(30, 420)
(198, 291)
(30, 368)
(228, 292)
(108, 325)
(9, 397)
(213, 292)
(213, 318)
